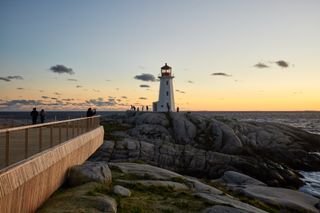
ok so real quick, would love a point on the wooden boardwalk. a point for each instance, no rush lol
(26, 184)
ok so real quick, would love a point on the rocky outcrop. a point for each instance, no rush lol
(89, 172)
(286, 199)
(200, 145)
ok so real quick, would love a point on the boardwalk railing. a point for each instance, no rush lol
(19, 143)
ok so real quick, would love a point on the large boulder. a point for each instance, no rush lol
(223, 209)
(184, 130)
(239, 179)
(288, 199)
(145, 170)
(89, 172)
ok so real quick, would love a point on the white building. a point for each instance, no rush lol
(166, 92)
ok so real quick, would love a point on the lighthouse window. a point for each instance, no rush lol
(167, 82)
(167, 93)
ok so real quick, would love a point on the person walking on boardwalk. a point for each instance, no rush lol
(34, 115)
(42, 116)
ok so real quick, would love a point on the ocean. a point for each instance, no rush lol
(308, 121)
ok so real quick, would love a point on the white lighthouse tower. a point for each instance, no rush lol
(166, 94)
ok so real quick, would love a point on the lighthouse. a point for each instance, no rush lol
(166, 95)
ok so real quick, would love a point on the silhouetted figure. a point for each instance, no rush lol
(91, 112)
(178, 109)
(147, 108)
(142, 108)
(34, 115)
(42, 116)
(138, 109)
(168, 107)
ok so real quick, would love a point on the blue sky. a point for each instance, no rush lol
(116, 40)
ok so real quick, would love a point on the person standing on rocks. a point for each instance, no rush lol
(147, 108)
(34, 115)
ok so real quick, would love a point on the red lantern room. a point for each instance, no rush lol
(166, 70)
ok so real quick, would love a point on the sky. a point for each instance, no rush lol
(231, 55)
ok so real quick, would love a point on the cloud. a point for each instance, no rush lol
(143, 98)
(72, 79)
(108, 80)
(180, 91)
(15, 77)
(60, 69)
(124, 97)
(68, 99)
(20, 88)
(101, 102)
(21, 102)
(190, 82)
(261, 65)
(95, 90)
(282, 63)
(54, 98)
(9, 78)
(145, 77)
(41, 91)
(144, 86)
(4, 79)
(78, 86)
(44, 97)
(221, 74)
(57, 93)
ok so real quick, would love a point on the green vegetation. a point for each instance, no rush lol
(112, 127)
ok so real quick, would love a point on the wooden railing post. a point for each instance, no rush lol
(26, 143)
(60, 137)
(7, 148)
(40, 139)
(51, 136)
(67, 128)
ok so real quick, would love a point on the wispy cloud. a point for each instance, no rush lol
(190, 82)
(145, 77)
(57, 93)
(143, 98)
(144, 86)
(44, 97)
(180, 91)
(9, 78)
(72, 79)
(20, 88)
(124, 97)
(60, 69)
(12, 103)
(261, 65)
(282, 63)
(79, 86)
(221, 74)
(101, 102)
(95, 90)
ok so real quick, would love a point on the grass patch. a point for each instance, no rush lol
(158, 199)
(114, 126)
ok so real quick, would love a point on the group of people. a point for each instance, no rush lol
(34, 114)
(91, 112)
(138, 109)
